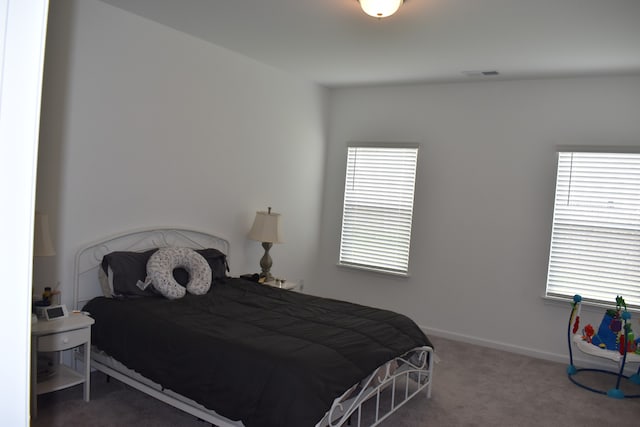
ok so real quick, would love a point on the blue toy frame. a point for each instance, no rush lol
(616, 392)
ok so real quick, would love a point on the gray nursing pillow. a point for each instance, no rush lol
(160, 272)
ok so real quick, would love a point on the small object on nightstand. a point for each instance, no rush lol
(51, 312)
(55, 312)
(46, 296)
(288, 285)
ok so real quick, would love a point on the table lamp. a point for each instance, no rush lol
(42, 244)
(266, 229)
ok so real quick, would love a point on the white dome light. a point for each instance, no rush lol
(380, 8)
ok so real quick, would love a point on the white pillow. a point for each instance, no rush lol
(160, 271)
(106, 282)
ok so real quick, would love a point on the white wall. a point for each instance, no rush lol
(145, 126)
(484, 198)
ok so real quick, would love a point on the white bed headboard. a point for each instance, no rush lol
(89, 258)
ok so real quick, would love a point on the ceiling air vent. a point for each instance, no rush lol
(481, 73)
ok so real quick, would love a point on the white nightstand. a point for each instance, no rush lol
(290, 285)
(55, 336)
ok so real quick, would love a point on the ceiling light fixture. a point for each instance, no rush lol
(380, 8)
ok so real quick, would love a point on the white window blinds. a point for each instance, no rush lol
(378, 207)
(595, 241)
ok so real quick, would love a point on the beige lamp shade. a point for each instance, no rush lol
(42, 244)
(266, 227)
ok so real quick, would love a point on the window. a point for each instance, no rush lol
(595, 241)
(378, 207)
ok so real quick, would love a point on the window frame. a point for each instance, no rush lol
(554, 294)
(348, 262)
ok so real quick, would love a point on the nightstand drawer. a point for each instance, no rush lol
(64, 340)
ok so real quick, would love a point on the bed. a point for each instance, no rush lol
(246, 354)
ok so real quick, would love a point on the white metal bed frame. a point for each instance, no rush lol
(392, 385)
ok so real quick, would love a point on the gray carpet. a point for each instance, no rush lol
(473, 386)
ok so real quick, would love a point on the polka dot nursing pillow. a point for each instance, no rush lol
(160, 271)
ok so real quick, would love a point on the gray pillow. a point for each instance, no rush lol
(160, 269)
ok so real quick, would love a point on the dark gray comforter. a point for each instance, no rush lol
(250, 352)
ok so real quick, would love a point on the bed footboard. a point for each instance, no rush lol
(383, 392)
(392, 385)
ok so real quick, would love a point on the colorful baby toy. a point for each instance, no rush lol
(615, 326)
(616, 341)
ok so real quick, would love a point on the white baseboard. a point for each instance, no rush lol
(580, 359)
